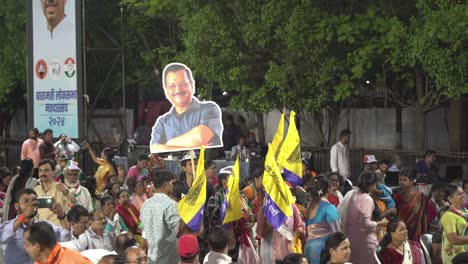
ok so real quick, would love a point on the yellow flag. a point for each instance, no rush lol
(192, 206)
(278, 196)
(278, 138)
(233, 199)
(289, 157)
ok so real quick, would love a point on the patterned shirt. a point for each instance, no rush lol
(160, 222)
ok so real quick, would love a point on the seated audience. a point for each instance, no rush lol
(95, 236)
(11, 232)
(293, 258)
(337, 249)
(395, 246)
(138, 196)
(78, 218)
(112, 259)
(41, 244)
(135, 255)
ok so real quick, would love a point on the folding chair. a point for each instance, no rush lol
(426, 246)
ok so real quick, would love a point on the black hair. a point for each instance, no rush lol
(115, 258)
(450, 190)
(160, 177)
(47, 161)
(93, 212)
(366, 179)
(293, 258)
(117, 195)
(22, 192)
(429, 153)
(460, 258)
(110, 153)
(177, 67)
(178, 189)
(42, 233)
(438, 185)
(5, 172)
(122, 244)
(105, 199)
(387, 239)
(408, 172)
(223, 176)
(208, 163)
(335, 173)
(384, 161)
(333, 241)
(76, 212)
(47, 131)
(318, 189)
(257, 173)
(344, 133)
(217, 238)
(35, 130)
(109, 187)
(143, 157)
(464, 183)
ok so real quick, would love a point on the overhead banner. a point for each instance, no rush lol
(190, 123)
(54, 66)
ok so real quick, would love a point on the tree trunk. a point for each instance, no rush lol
(261, 128)
(420, 116)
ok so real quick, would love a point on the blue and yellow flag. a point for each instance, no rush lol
(232, 199)
(192, 206)
(278, 138)
(278, 197)
(289, 157)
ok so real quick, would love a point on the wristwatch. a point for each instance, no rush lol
(63, 217)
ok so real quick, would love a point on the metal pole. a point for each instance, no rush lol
(85, 83)
(123, 73)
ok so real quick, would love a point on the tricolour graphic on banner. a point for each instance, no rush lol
(53, 84)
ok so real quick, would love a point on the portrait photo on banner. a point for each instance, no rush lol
(190, 123)
(53, 57)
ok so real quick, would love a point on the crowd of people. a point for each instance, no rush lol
(53, 213)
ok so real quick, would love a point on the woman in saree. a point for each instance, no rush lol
(395, 246)
(334, 196)
(129, 215)
(411, 205)
(360, 227)
(322, 220)
(454, 224)
(106, 167)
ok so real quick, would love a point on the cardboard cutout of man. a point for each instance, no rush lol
(189, 123)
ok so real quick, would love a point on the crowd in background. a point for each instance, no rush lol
(391, 212)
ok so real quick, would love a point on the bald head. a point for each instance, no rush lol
(124, 240)
(135, 255)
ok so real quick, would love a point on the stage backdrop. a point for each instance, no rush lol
(54, 66)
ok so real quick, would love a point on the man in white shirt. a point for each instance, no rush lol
(96, 237)
(218, 242)
(339, 155)
(83, 197)
(78, 218)
(66, 147)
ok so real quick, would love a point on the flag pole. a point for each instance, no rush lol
(192, 155)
